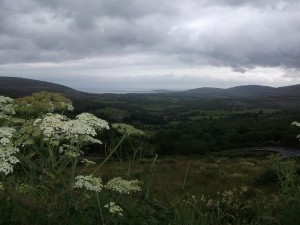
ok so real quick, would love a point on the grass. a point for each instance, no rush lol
(214, 189)
(195, 176)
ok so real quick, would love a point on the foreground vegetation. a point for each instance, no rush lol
(47, 179)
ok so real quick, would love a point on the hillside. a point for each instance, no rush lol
(247, 91)
(19, 87)
(16, 87)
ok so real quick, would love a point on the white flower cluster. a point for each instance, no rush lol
(90, 183)
(88, 162)
(93, 121)
(7, 149)
(76, 127)
(91, 140)
(5, 100)
(114, 209)
(127, 129)
(123, 186)
(295, 123)
(70, 150)
(60, 127)
(6, 106)
(68, 106)
(51, 124)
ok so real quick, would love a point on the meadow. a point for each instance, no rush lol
(61, 168)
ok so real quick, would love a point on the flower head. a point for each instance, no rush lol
(88, 182)
(5, 101)
(127, 129)
(123, 186)
(114, 209)
(295, 124)
(7, 149)
(88, 162)
(93, 121)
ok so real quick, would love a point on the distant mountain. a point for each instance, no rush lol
(250, 90)
(205, 91)
(19, 87)
(247, 91)
(293, 90)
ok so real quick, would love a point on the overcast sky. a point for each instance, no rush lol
(109, 45)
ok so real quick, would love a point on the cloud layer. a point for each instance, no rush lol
(237, 34)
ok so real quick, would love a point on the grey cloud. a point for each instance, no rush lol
(279, 4)
(265, 34)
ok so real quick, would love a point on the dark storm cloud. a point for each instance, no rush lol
(235, 33)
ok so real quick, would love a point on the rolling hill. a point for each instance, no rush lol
(247, 91)
(19, 87)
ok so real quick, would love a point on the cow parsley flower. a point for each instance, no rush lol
(67, 106)
(54, 125)
(6, 132)
(295, 123)
(114, 209)
(123, 186)
(77, 127)
(88, 162)
(89, 139)
(93, 121)
(5, 100)
(69, 150)
(127, 129)
(7, 149)
(89, 182)
(7, 160)
(4, 141)
(51, 124)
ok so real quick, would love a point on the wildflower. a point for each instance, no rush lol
(123, 186)
(77, 127)
(89, 139)
(7, 160)
(88, 162)
(244, 189)
(6, 132)
(5, 100)
(295, 124)
(67, 106)
(127, 129)
(227, 197)
(7, 149)
(114, 209)
(51, 124)
(88, 182)
(4, 141)
(59, 126)
(210, 203)
(70, 107)
(93, 121)
(41, 103)
(194, 198)
(69, 150)
(202, 198)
